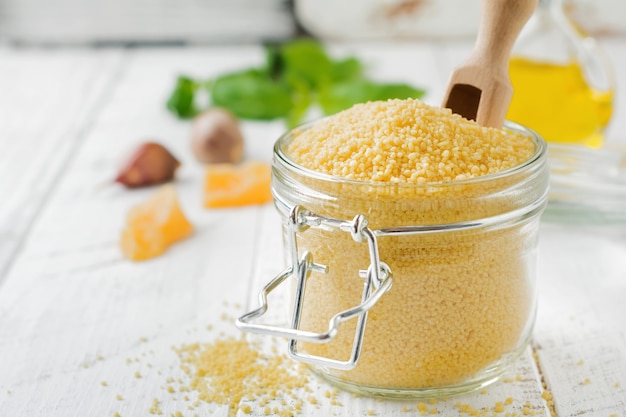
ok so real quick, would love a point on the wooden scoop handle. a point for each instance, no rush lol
(480, 89)
(500, 23)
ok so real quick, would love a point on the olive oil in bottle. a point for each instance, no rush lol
(563, 85)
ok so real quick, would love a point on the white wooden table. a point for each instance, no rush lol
(77, 321)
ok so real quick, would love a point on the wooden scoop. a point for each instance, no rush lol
(480, 89)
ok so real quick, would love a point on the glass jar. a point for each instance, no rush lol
(563, 83)
(408, 290)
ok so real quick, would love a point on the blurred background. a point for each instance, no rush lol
(138, 22)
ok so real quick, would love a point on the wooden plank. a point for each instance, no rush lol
(47, 103)
(580, 337)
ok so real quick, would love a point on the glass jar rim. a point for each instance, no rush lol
(538, 156)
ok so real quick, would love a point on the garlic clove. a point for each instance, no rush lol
(151, 163)
(216, 137)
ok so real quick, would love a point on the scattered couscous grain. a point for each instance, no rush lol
(547, 396)
(104, 383)
(137, 374)
(230, 371)
(460, 300)
(336, 402)
(498, 409)
(119, 397)
(587, 381)
(154, 408)
(298, 405)
(468, 409)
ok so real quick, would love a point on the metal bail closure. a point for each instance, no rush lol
(377, 282)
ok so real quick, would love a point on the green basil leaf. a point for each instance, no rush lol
(302, 98)
(346, 69)
(306, 59)
(274, 63)
(398, 90)
(340, 96)
(181, 100)
(251, 95)
(343, 95)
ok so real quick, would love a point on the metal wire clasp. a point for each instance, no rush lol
(377, 282)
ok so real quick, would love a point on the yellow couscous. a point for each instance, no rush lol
(406, 141)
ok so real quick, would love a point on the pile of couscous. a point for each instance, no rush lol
(461, 300)
(406, 141)
(234, 372)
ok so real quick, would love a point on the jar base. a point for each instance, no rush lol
(484, 378)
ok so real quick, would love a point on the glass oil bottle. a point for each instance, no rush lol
(563, 84)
